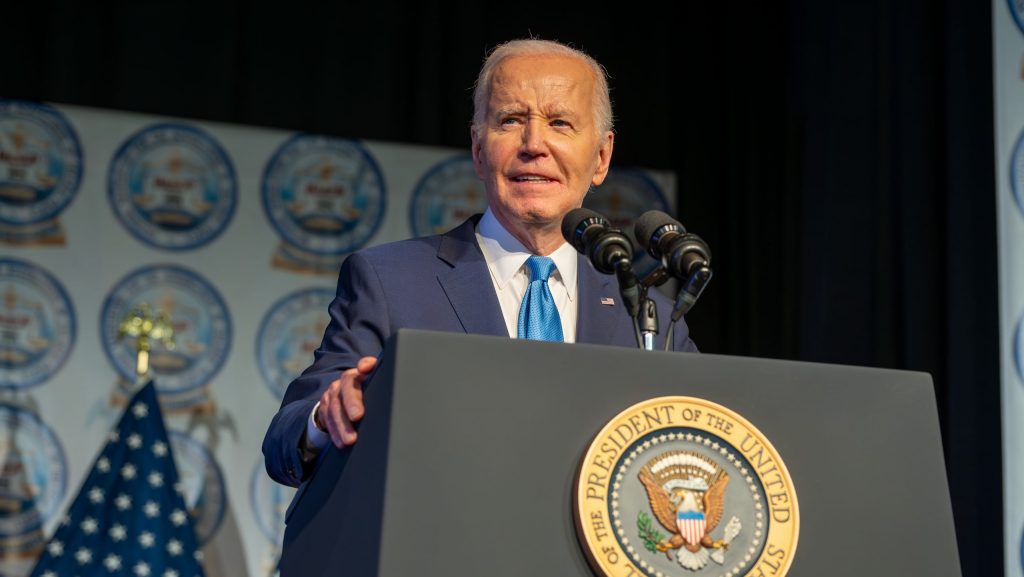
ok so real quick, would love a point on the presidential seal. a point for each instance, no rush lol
(680, 486)
(202, 485)
(37, 324)
(172, 186)
(447, 194)
(325, 197)
(40, 170)
(32, 483)
(288, 335)
(202, 332)
(622, 198)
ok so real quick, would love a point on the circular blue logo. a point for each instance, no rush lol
(1018, 348)
(270, 502)
(37, 324)
(324, 195)
(1017, 171)
(40, 162)
(1017, 10)
(446, 195)
(172, 186)
(288, 335)
(622, 198)
(202, 484)
(34, 472)
(198, 314)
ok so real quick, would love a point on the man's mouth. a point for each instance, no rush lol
(531, 178)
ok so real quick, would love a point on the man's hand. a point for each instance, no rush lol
(341, 405)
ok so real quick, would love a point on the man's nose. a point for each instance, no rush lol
(534, 138)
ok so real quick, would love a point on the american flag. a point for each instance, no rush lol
(129, 518)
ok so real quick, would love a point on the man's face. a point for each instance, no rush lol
(539, 149)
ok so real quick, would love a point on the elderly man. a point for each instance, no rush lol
(541, 136)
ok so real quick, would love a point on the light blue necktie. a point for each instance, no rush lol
(538, 316)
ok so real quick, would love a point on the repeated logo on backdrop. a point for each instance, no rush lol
(1017, 10)
(447, 194)
(202, 333)
(1017, 171)
(202, 485)
(269, 501)
(37, 324)
(40, 170)
(172, 186)
(325, 197)
(33, 480)
(289, 333)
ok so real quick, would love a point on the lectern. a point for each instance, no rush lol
(468, 456)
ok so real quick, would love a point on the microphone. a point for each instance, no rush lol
(607, 248)
(594, 236)
(684, 255)
(681, 253)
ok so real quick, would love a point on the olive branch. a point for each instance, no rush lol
(648, 533)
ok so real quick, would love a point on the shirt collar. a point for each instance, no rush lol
(505, 255)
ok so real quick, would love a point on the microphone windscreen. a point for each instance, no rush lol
(572, 221)
(648, 223)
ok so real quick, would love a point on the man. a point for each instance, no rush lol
(541, 137)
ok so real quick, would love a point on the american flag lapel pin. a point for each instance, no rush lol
(609, 301)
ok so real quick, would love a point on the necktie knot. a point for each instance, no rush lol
(541, 268)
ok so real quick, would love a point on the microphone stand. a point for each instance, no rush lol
(647, 321)
(645, 318)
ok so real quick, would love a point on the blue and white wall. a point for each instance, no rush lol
(1008, 73)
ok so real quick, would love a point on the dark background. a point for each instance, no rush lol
(837, 156)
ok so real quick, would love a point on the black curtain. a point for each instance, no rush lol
(837, 156)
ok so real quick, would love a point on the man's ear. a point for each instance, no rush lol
(604, 158)
(476, 148)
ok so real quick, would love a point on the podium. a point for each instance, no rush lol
(467, 458)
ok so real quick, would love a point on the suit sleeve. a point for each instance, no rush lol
(359, 325)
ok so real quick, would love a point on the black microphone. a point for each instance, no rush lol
(607, 248)
(594, 236)
(682, 253)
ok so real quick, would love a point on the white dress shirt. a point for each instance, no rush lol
(506, 261)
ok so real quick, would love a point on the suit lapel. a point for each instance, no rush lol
(468, 284)
(596, 322)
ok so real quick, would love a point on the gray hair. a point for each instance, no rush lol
(535, 47)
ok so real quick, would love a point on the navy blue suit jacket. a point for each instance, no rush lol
(436, 283)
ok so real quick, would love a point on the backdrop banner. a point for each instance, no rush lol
(1008, 74)
(236, 234)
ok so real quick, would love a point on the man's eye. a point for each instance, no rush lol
(558, 122)
(509, 121)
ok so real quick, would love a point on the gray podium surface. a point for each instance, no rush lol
(466, 459)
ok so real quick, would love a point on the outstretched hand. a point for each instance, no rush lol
(341, 405)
